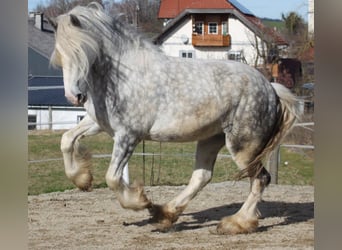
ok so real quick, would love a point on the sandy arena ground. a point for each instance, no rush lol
(95, 220)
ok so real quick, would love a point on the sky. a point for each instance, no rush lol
(260, 8)
(274, 9)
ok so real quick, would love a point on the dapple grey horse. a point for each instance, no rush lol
(134, 92)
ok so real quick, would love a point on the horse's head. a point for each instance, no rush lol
(76, 49)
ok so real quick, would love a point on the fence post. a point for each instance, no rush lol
(50, 117)
(273, 164)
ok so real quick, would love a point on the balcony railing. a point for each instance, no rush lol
(211, 40)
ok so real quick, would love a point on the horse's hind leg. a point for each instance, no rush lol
(246, 219)
(76, 158)
(206, 154)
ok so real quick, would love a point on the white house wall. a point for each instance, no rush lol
(174, 44)
(61, 118)
(241, 38)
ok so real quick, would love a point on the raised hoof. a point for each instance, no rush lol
(235, 225)
(84, 181)
(162, 218)
(83, 177)
(134, 197)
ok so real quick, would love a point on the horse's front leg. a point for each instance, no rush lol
(129, 196)
(165, 215)
(77, 158)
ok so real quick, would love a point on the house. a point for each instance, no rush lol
(216, 29)
(47, 106)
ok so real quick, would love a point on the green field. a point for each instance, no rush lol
(273, 23)
(172, 167)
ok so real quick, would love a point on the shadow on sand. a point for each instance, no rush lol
(291, 212)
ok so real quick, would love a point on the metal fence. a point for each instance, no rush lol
(274, 160)
(272, 164)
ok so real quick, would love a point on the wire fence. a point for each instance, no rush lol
(272, 164)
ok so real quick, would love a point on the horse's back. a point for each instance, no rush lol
(201, 97)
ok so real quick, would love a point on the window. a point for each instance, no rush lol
(224, 28)
(32, 119)
(235, 56)
(198, 28)
(212, 28)
(186, 54)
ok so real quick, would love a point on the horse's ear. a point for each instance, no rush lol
(75, 21)
(53, 22)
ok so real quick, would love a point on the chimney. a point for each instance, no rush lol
(38, 20)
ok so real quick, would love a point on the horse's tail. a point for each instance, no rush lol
(287, 116)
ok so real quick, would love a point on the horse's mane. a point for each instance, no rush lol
(84, 31)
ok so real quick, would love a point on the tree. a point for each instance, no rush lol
(293, 23)
(296, 32)
(264, 45)
(140, 13)
(301, 44)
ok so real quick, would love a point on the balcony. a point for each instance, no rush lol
(210, 40)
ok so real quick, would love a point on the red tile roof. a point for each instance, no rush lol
(307, 54)
(172, 8)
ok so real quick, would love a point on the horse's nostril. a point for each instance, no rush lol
(81, 98)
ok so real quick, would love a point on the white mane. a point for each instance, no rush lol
(86, 32)
(81, 44)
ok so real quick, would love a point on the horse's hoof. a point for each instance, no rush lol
(235, 225)
(162, 218)
(84, 181)
(134, 197)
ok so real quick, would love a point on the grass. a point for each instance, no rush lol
(173, 167)
(278, 24)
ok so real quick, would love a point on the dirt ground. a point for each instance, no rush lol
(95, 220)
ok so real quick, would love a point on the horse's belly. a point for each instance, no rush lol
(183, 131)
